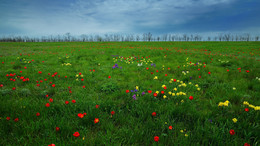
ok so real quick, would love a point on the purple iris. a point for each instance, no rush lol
(136, 90)
(143, 93)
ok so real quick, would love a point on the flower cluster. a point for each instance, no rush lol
(224, 103)
(251, 106)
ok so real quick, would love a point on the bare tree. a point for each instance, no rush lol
(164, 37)
(149, 36)
(137, 37)
(158, 38)
(209, 38)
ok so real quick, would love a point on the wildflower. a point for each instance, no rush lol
(182, 101)
(155, 78)
(51, 144)
(157, 92)
(234, 88)
(164, 96)
(57, 128)
(134, 97)
(143, 93)
(173, 94)
(7, 118)
(231, 132)
(170, 127)
(47, 105)
(220, 104)
(113, 112)
(170, 92)
(16, 119)
(175, 89)
(73, 101)
(137, 88)
(246, 144)
(96, 120)
(66, 102)
(154, 114)
(76, 134)
(246, 109)
(37, 114)
(149, 91)
(156, 138)
(234, 120)
(186, 135)
(80, 115)
(97, 106)
(51, 100)
(109, 77)
(191, 97)
(162, 92)
(181, 131)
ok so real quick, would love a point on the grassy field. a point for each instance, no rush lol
(130, 93)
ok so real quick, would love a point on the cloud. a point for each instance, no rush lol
(116, 16)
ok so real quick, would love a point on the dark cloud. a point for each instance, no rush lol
(35, 17)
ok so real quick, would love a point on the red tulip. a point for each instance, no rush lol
(174, 80)
(51, 100)
(1, 85)
(83, 86)
(191, 97)
(246, 144)
(154, 114)
(209, 73)
(76, 134)
(156, 138)
(96, 120)
(37, 114)
(155, 94)
(231, 132)
(149, 91)
(109, 77)
(47, 104)
(39, 72)
(246, 109)
(127, 91)
(66, 102)
(97, 106)
(80, 115)
(51, 145)
(162, 92)
(7, 118)
(170, 127)
(13, 88)
(73, 101)
(16, 119)
(165, 74)
(113, 112)
(57, 128)
(53, 85)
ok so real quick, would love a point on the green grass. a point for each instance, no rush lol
(201, 119)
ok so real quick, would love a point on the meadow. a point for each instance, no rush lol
(130, 93)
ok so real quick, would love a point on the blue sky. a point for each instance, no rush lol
(53, 17)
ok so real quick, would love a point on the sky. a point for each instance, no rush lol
(57, 17)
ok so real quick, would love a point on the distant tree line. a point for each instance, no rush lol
(147, 37)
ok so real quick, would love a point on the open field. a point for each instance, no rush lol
(130, 93)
